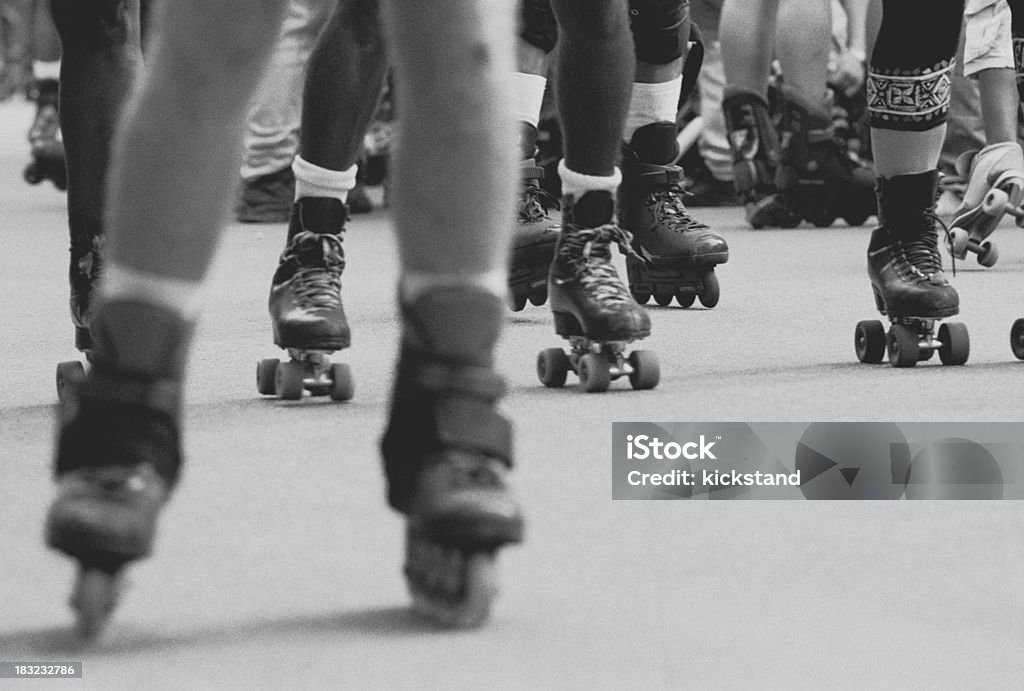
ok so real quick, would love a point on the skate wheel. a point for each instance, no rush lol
(641, 297)
(517, 303)
(711, 293)
(266, 375)
(686, 299)
(94, 599)
(289, 381)
(858, 219)
(1017, 339)
(869, 341)
(539, 297)
(822, 218)
(552, 367)
(663, 299)
(342, 385)
(957, 242)
(956, 343)
(988, 254)
(31, 175)
(995, 203)
(646, 370)
(448, 585)
(68, 373)
(595, 374)
(903, 346)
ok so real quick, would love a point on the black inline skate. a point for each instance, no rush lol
(755, 153)
(677, 254)
(447, 452)
(818, 177)
(533, 240)
(118, 453)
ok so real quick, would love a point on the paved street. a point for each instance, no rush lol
(278, 563)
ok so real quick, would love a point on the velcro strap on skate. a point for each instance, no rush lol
(659, 175)
(476, 382)
(466, 424)
(162, 396)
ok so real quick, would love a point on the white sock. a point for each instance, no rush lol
(46, 70)
(414, 283)
(314, 181)
(651, 103)
(528, 97)
(578, 184)
(179, 296)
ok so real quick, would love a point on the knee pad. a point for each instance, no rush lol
(537, 24)
(657, 29)
(910, 100)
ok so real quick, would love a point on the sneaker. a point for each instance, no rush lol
(267, 199)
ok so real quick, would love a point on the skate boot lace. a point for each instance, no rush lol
(667, 205)
(922, 252)
(319, 263)
(472, 470)
(587, 251)
(534, 203)
(85, 255)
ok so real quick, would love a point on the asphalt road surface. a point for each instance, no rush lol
(278, 563)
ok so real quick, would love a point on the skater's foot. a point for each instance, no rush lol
(305, 298)
(533, 241)
(587, 295)
(447, 451)
(904, 263)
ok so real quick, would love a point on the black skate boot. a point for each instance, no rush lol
(679, 253)
(755, 154)
(907, 279)
(533, 240)
(118, 452)
(84, 270)
(447, 451)
(592, 309)
(819, 179)
(44, 137)
(305, 306)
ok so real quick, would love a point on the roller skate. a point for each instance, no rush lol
(45, 140)
(118, 455)
(755, 150)
(905, 269)
(676, 254)
(447, 452)
(819, 179)
(533, 241)
(592, 309)
(995, 187)
(83, 273)
(305, 307)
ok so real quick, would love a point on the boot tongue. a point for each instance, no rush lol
(316, 250)
(655, 143)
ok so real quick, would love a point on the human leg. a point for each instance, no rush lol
(118, 450)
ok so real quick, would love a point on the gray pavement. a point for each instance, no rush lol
(278, 563)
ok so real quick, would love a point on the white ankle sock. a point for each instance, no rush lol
(578, 184)
(651, 103)
(528, 97)
(46, 70)
(180, 296)
(314, 181)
